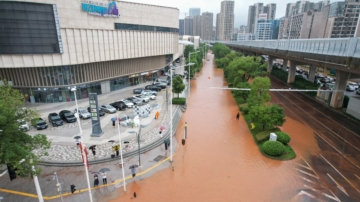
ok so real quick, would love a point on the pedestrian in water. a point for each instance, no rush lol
(238, 116)
(96, 180)
(133, 171)
(104, 178)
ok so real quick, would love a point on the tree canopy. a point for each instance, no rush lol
(220, 50)
(178, 85)
(259, 93)
(16, 144)
(268, 116)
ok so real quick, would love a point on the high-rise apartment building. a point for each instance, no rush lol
(304, 6)
(217, 26)
(267, 29)
(197, 25)
(289, 9)
(242, 29)
(226, 25)
(214, 33)
(181, 27)
(207, 20)
(189, 26)
(194, 12)
(255, 10)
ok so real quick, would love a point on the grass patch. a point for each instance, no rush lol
(288, 152)
(265, 135)
(179, 101)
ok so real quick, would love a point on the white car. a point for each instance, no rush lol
(355, 85)
(151, 96)
(84, 114)
(350, 88)
(23, 125)
(108, 108)
(143, 98)
(128, 103)
(150, 91)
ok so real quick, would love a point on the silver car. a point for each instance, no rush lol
(143, 98)
(149, 95)
(108, 109)
(84, 114)
(128, 103)
(150, 91)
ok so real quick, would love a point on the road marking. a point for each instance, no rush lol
(309, 166)
(339, 173)
(338, 185)
(357, 177)
(85, 189)
(302, 192)
(3, 173)
(328, 143)
(322, 193)
(308, 173)
(303, 166)
(315, 183)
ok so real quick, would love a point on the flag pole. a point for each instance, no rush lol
(121, 156)
(86, 164)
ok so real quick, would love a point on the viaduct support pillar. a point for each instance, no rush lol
(340, 84)
(285, 62)
(312, 71)
(270, 63)
(292, 70)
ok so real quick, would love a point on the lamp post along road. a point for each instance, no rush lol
(58, 185)
(121, 156)
(82, 144)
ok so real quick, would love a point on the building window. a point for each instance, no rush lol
(123, 26)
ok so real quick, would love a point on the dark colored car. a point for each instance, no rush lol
(67, 116)
(119, 105)
(162, 85)
(55, 119)
(135, 101)
(101, 112)
(152, 87)
(39, 123)
(138, 90)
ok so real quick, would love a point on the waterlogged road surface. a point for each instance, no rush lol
(220, 161)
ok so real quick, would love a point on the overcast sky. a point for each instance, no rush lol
(241, 7)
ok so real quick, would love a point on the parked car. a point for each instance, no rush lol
(325, 80)
(160, 84)
(83, 113)
(39, 123)
(150, 91)
(350, 88)
(138, 90)
(67, 116)
(55, 119)
(119, 105)
(149, 95)
(143, 98)
(23, 125)
(128, 103)
(153, 88)
(354, 84)
(358, 91)
(108, 109)
(135, 101)
(101, 112)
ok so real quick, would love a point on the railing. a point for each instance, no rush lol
(345, 47)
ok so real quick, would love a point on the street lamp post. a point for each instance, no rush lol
(82, 144)
(138, 139)
(58, 185)
(121, 156)
(189, 72)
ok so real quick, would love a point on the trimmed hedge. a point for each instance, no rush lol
(273, 148)
(179, 101)
(283, 137)
(265, 135)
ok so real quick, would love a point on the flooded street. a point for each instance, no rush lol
(220, 161)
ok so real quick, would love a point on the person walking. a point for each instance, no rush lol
(113, 119)
(104, 178)
(117, 150)
(77, 141)
(96, 180)
(133, 172)
(238, 116)
(93, 149)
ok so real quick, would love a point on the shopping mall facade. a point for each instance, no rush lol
(49, 46)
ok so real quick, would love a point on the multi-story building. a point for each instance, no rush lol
(267, 29)
(214, 33)
(207, 21)
(194, 12)
(245, 36)
(289, 9)
(255, 10)
(304, 6)
(189, 26)
(48, 46)
(181, 27)
(226, 24)
(242, 29)
(217, 26)
(197, 25)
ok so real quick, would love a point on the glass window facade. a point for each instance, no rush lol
(27, 28)
(135, 27)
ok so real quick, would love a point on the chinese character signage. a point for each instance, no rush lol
(100, 9)
(95, 120)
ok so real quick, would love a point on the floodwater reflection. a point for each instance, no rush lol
(220, 161)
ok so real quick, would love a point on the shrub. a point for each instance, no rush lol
(283, 137)
(273, 148)
(245, 110)
(179, 101)
(265, 135)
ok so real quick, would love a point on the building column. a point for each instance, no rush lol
(340, 86)
(270, 63)
(292, 70)
(312, 71)
(285, 62)
(105, 87)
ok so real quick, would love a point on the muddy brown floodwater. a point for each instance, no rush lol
(220, 161)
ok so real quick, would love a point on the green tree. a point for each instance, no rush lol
(259, 93)
(15, 144)
(242, 93)
(220, 50)
(188, 49)
(268, 116)
(178, 85)
(246, 67)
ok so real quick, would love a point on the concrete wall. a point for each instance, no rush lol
(319, 23)
(354, 107)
